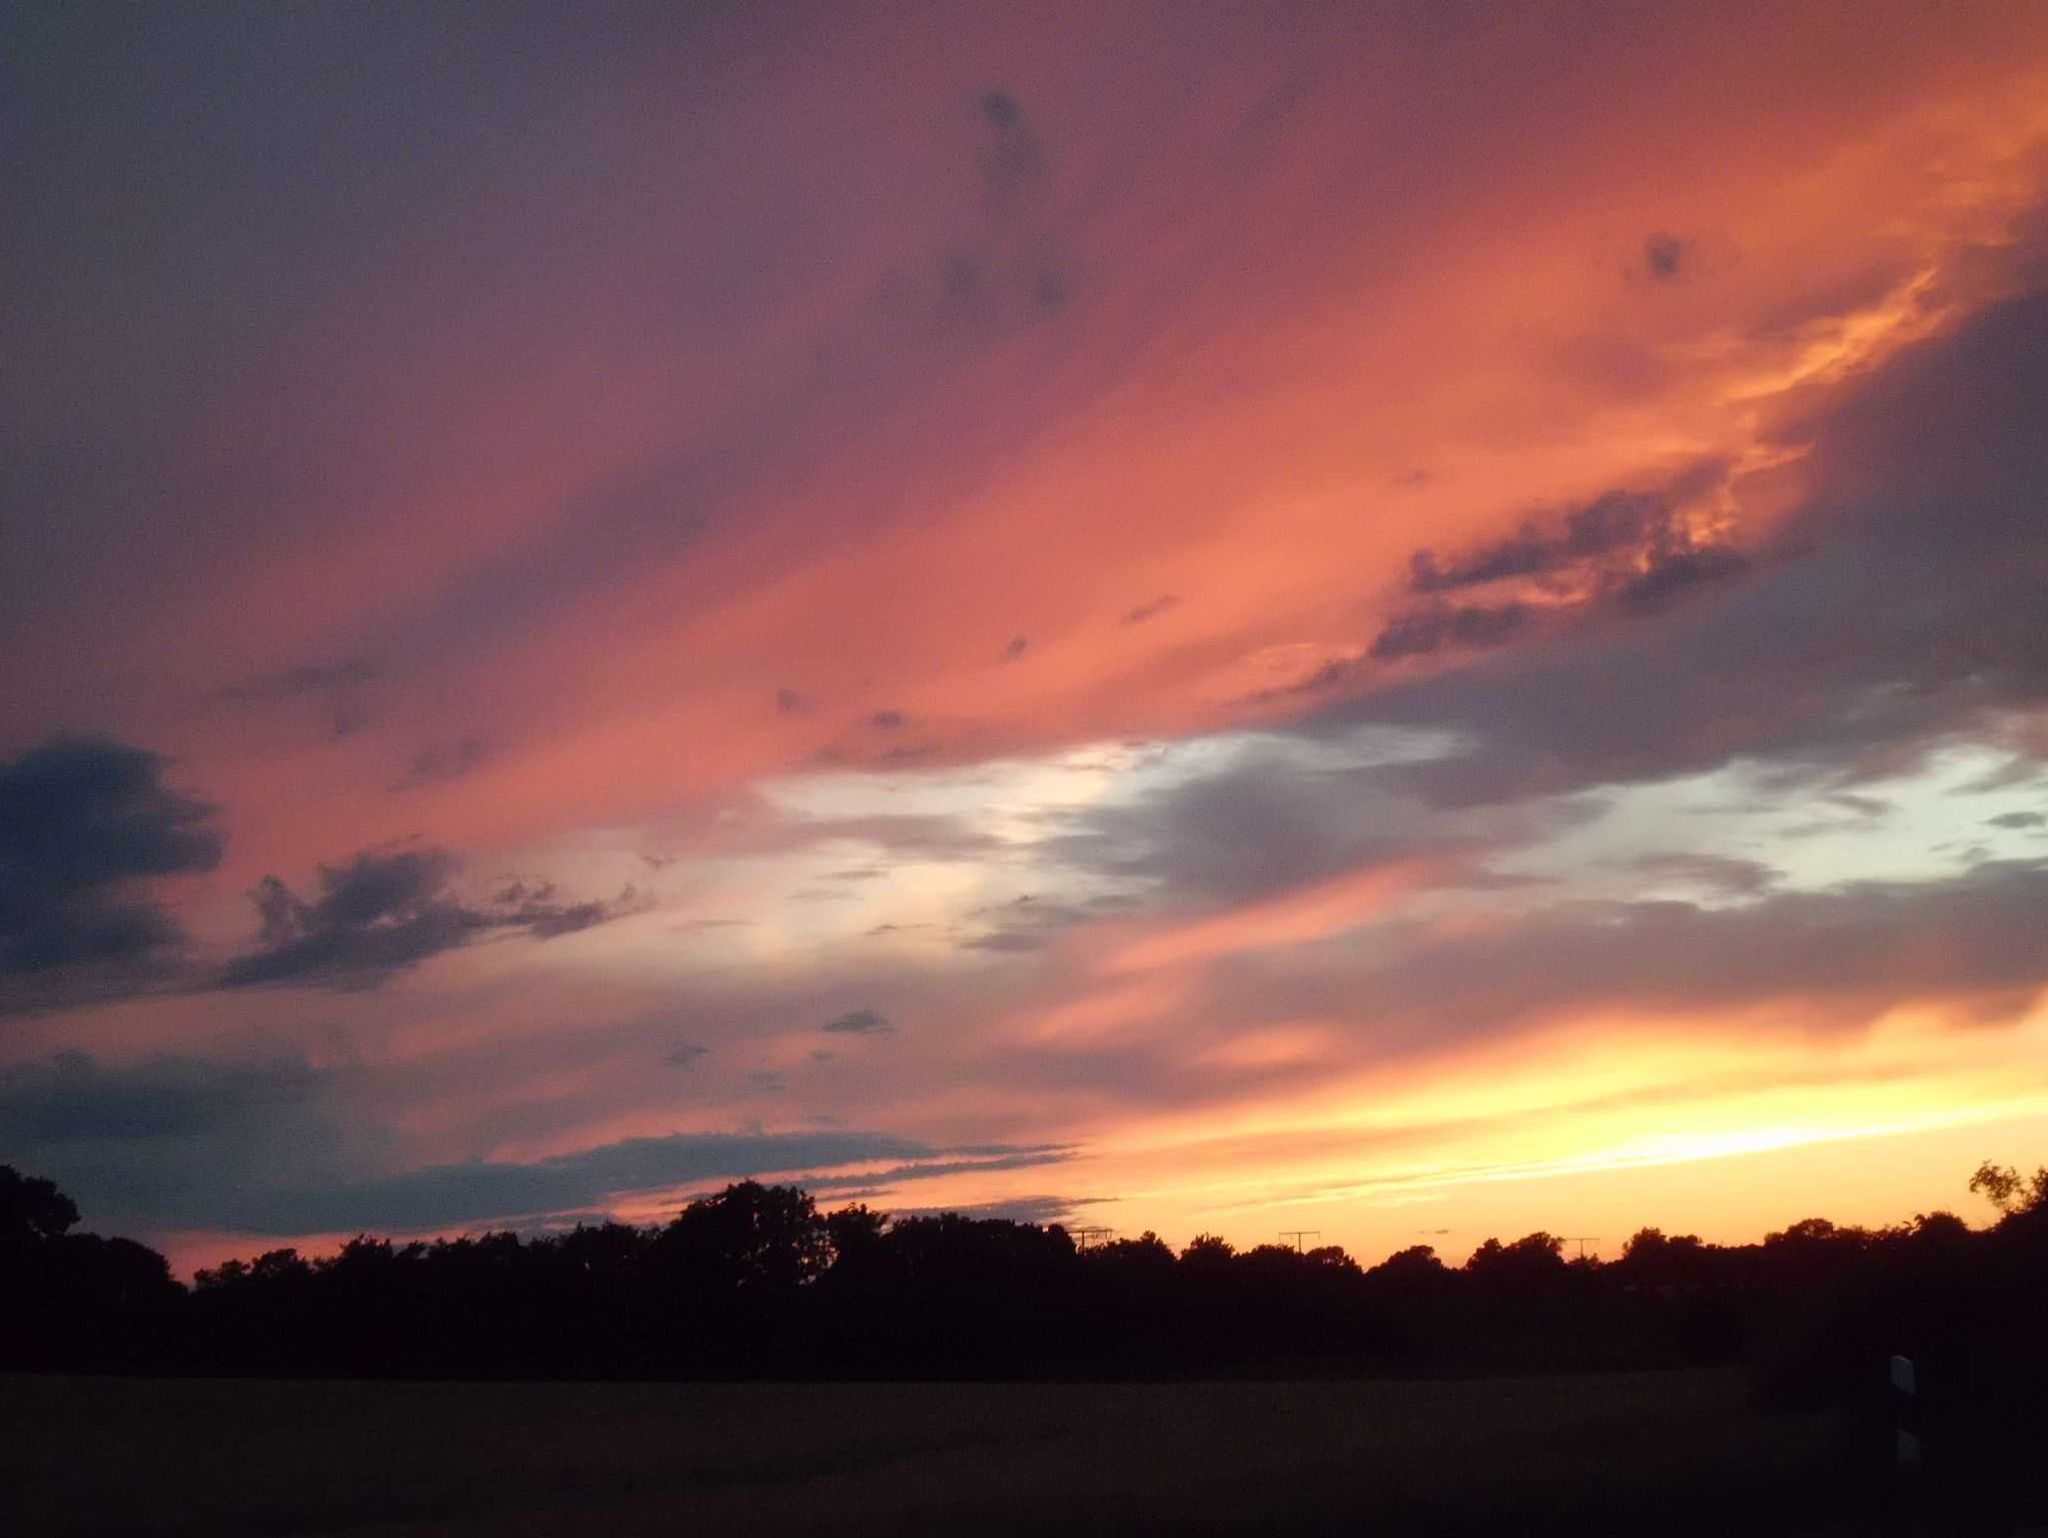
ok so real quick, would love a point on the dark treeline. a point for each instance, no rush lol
(755, 1281)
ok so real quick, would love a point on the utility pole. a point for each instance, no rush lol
(1083, 1237)
(1298, 1235)
(1580, 1240)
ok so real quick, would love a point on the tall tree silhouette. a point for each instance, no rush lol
(32, 1211)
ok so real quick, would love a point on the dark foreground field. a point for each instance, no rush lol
(1681, 1451)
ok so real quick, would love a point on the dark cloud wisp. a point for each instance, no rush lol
(1636, 546)
(1420, 632)
(1664, 256)
(858, 1022)
(306, 679)
(381, 913)
(442, 762)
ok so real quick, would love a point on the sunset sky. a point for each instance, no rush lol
(1409, 620)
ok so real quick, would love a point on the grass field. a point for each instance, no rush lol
(1677, 1452)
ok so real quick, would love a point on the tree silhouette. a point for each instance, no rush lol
(854, 1233)
(747, 1238)
(72, 1299)
(1419, 1262)
(1651, 1258)
(1537, 1255)
(116, 1275)
(2007, 1190)
(1148, 1254)
(753, 1280)
(32, 1211)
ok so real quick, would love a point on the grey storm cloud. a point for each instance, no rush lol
(253, 1147)
(1834, 958)
(1900, 604)
(1267, 821)
(83, 821)
(174, 1141)
(381, 913)
(72, 1098)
